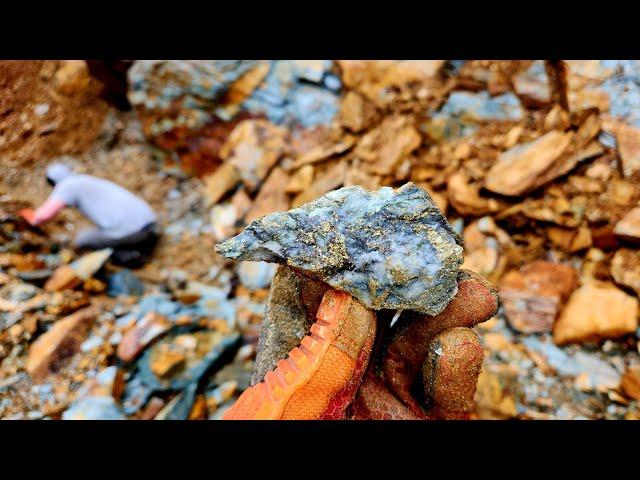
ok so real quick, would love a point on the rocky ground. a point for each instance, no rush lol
(535, 164)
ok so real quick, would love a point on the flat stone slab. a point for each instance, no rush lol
(391, 249)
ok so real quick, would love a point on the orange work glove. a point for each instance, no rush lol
(28, 214)
(351, 364)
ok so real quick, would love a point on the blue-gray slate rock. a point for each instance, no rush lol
(124, 282)
(391, 249)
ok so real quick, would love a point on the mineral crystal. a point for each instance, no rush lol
(390, 249)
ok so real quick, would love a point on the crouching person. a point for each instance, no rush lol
(124, 222)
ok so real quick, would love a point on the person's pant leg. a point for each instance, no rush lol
(94, 239)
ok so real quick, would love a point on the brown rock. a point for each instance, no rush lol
(517, 170)
(596, 311)
(630, 383)
(166, 359)
(629, 226)
(199, 409)
(62, 341)
(381, 80)
(72, 77)
(151, 326)
(532, 297)
(325, 150)
(465, 196)
(570, 240)
(356, 113)
(272, 196)
(220, 182)
(386, 145)
(629, 147)
(528, 166)
(63, 278)
(495, 394)
(331, 178)
(253, 147)
(300, 180)
(151, 410)
(82, 269)
(625, 268)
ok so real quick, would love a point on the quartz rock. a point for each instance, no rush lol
(389, 248)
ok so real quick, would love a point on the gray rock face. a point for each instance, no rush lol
(390, 249)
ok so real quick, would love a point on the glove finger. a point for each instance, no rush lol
(475, 302)
(375, 402)
(450, 373)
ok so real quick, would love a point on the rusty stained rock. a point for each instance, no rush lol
(630, 383)
(356, 112)
(629, 147)
(383, 81)
(388, 248)
(254, 147)
(625, 268)
(82, 269)
(596, 311)
(272, 196)
(135, 340)
(386, 145)
(59, 343)
(331, 177)
(533, 296)
(570, 240)
(530, 165)
(466, 199)
(629, 226)
(221, 181)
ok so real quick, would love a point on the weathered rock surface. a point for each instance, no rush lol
(390, 249)
(533, 296)
(59, 343)
(596, 311)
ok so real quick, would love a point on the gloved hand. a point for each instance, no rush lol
(354, 365)
(28, 214)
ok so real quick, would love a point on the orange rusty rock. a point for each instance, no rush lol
(625, 268)
(629, 147)
(254, 147)
(629, 226)
(517, 170)
(144, 332)
(570, 240)
(166, 359)
(596, 311)
(151, 410)
(630, 383)
(356, 112)
(386, 145)
(199, 409)
(532, 297)
(465, 196)
(58, 344)
(272, 197)
(63, 278)
(220, 182)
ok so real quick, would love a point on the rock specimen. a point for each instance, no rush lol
(390, 249)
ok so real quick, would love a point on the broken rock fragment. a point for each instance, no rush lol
(59, 343)
(517, 170)
(389, 248)
(533, 296)
(596, 311)
(629, 226)
(625, 268)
